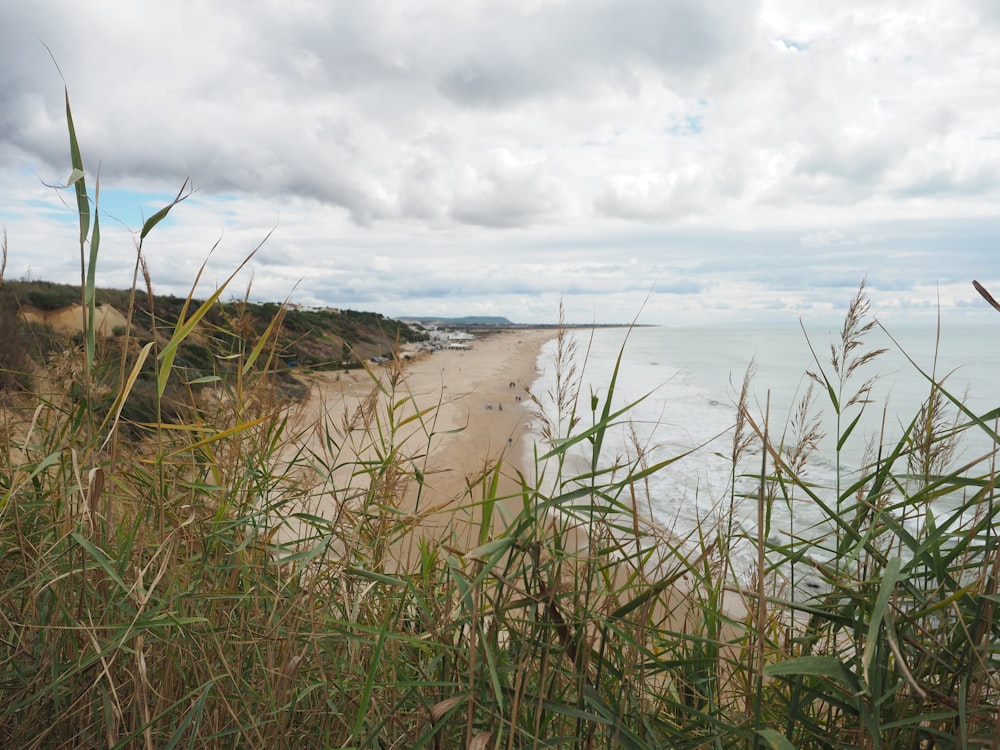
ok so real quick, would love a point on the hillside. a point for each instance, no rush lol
(322, 339)
(41, 322)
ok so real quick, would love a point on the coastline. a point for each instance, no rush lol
(458, 416)
(461, 415)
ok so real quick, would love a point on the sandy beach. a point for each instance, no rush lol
(457, 414)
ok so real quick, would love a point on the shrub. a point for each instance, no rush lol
(15, 364)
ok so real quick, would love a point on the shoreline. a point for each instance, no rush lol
(458, 416)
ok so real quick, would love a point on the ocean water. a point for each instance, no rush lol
(689, 381)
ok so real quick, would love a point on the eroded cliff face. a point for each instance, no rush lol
(108, 320)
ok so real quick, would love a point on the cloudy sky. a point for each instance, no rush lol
(682, 161)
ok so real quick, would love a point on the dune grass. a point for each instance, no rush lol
(173, 586)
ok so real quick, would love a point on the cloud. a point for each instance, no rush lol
(828, 238)
(429, 154)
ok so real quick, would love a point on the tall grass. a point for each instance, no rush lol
(177, 587)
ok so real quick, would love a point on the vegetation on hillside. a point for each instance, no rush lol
(299, 340)
(319, 339)
(182, 591)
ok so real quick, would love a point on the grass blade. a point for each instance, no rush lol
(77, 178)
(160, 215)
(889, 578)
(185, 327)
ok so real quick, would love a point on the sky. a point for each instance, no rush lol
(667, 161)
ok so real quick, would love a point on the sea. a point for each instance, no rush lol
(683, 384)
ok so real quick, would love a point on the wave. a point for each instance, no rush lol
(683, 387)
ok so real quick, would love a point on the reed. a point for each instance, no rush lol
(173, 586)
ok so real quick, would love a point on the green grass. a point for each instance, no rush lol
(170, 586)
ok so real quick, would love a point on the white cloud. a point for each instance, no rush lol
(412, 155)
(827, 238)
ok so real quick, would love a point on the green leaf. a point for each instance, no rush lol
(44, 464)
(775, 739)
(373, 576)
(848, 431)
(193, 716)
(817, 666)
(102, 560)
(461, 583)
(833, 397)
(124, 392)
(160, 215)
(597, 431)
(205, 379)
(309, 553)
(889, 578)
(369, 686)
(262, 342)
(185, 327)
(503, 544)
(222, 435)
(77, 177)
(90, 291)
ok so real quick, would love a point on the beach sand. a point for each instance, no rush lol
(474, 415)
